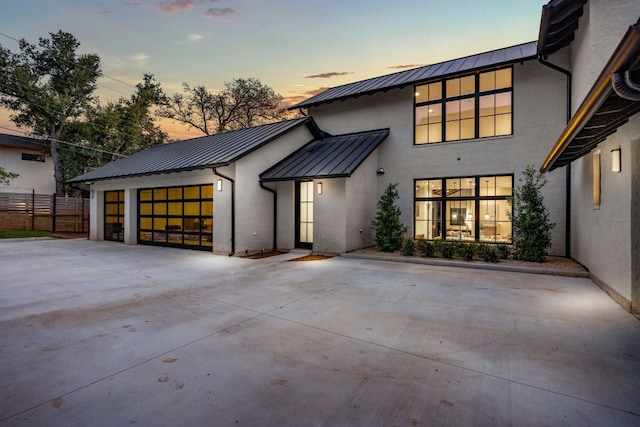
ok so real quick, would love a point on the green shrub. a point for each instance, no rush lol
(466, 251)
(408, 247)
(447, 249)
(425, 248)
(531, 224)
(488, 253)
(504, 251)
(389, 229)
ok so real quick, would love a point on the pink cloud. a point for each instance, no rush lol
(171, 7)
(220, 13)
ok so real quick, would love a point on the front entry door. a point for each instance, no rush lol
(304, 214)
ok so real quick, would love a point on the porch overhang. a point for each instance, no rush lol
(604, 109)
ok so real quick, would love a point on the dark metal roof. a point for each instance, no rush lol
(199, 153)
(332, 157)
(492, 59)
(558, 25)
(15, 141)
(602, 111)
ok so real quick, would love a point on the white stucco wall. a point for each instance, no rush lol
(329, 215)
(602, 237)
(131, 185)
(362, 197)
(539, 117)
(254, 205)
(34, 176)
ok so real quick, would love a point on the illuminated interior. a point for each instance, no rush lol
(176, 216)
(114, 215)
(476, 106)
(472, 209)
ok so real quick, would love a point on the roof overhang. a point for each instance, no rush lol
(603, 109)
(558, 24)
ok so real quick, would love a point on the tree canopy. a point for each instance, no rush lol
(242, 103)
(113, 130)
(6, 176)
(46, 86)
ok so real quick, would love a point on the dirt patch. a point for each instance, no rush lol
(311, 258)
(264, 255)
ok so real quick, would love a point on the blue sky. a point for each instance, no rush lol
(295, 46)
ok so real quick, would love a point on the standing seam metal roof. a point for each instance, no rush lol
(198, 153)
(332, 157)
(494, 58)
(16, 141)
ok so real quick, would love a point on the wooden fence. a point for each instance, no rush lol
(46, 212)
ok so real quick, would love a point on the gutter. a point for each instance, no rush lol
(275, 213)
(567, 180)
(623, 58)
(233, 210)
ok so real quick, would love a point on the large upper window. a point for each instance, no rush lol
(475, 106)
(469, 209)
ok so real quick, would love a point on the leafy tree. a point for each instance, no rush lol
(241, 104)
(389, 229)
(46, 86)
(115, 129)
(6, 177)
(531, 224)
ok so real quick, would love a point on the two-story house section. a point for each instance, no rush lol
(461, 132)
(600, 145)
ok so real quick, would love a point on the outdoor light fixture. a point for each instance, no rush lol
(380, 171)
(319, 188)
(616, 160)
(219, 185)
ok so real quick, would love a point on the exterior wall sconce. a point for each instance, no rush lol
(616, 160)
(319, 188)
(380, 171)
(219, 185)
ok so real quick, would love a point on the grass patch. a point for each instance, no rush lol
(16, 234)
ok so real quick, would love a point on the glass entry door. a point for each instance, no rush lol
(304, 214)
(114, 215)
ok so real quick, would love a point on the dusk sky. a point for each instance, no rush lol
(295, 46)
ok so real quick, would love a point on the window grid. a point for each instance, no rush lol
(463, 209)
(176, 216)
(462, 108)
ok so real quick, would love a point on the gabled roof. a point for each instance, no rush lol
(15, 141)
(558, 25)
(331, 157)
(603, 109)
(492, 59)
(199, 153)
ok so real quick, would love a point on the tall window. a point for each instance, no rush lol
(114, 215)
(475, 106)
(467, 209)
(176, 216)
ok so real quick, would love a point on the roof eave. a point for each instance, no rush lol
(626, 54)
(135, 175)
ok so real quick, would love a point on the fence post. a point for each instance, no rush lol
(33, 209)
(54, 213)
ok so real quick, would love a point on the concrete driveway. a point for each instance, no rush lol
(99, 333)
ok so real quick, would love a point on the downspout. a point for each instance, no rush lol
(233, 210)
(275, 213)
(567, 248)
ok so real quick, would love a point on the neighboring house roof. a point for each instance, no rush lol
(494, 58)
(604, 109)
(23, 142)
(558, 25)
(331, 157)
(199, 153)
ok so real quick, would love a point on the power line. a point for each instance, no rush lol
(66, 143)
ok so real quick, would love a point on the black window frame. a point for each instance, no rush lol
(476, 95)
(445, 200)
(163, 237)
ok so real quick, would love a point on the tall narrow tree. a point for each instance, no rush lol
(46, 86)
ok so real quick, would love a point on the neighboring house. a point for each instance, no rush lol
(600, 146)
(456, 137)
(27, 157)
